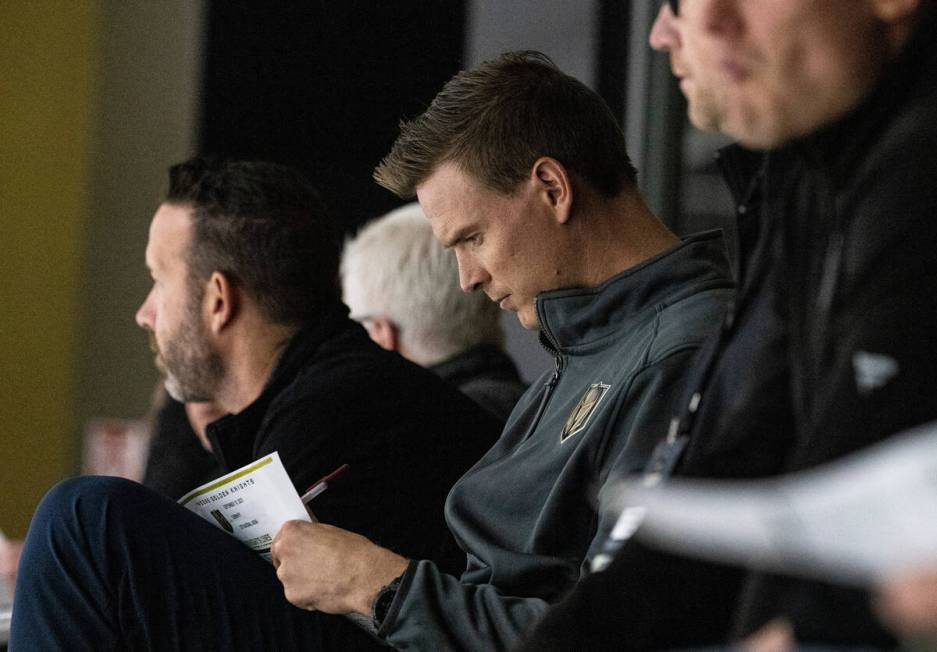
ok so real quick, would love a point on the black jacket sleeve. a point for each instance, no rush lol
(644, 600)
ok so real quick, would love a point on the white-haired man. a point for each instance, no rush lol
(403, 286)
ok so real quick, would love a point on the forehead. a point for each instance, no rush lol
(453, 201)
(169, 235)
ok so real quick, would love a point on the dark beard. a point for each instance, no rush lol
(192, 368)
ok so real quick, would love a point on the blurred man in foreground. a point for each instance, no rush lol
(836, 309)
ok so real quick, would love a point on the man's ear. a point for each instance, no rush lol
(552, 182)
(383, 331)
(222, 301)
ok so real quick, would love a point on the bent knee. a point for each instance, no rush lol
(95, 494)
(93, 487)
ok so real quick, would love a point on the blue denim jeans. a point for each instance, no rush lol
(110, 565)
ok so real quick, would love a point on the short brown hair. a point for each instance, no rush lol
(495, 121)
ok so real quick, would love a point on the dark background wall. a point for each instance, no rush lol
(322, 86)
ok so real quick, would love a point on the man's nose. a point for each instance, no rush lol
(664, 35)
(144, 316)
(472, 276)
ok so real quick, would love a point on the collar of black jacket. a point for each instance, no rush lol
(741, 168)
(233, 436)
(912, 75)
(469, 364)
(579, 316)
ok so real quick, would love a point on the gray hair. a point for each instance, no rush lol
(396, 268)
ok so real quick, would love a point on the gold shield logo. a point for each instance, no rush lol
(585, 408)
(222, 521)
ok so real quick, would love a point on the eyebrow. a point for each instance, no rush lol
(460, 235)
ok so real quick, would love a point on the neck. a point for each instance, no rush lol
(251, 354)
(617, 234)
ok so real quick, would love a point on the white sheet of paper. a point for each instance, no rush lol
(855, 521)
(251, 503)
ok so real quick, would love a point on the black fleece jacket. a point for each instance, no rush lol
(832, 346)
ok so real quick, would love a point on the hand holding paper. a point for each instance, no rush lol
(251, 503)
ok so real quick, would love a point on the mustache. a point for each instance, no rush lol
(154, 348)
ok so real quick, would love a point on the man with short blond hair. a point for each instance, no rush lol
(496, 120)
(522, 173)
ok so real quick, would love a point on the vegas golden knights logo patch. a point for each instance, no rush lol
(585, 408)
(222, 521)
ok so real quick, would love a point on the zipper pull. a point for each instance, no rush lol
(556, 373)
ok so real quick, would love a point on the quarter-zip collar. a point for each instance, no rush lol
(584, 316)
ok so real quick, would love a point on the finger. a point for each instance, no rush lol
(275, 552)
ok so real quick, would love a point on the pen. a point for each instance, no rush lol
(323, 484)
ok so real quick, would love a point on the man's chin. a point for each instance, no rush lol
(174, 389)
(528, 321)
(705, 120)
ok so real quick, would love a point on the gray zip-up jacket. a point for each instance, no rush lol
(530, 513)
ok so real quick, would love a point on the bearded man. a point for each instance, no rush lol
(245, 312)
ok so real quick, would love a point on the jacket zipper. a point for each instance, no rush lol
(550, 386)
